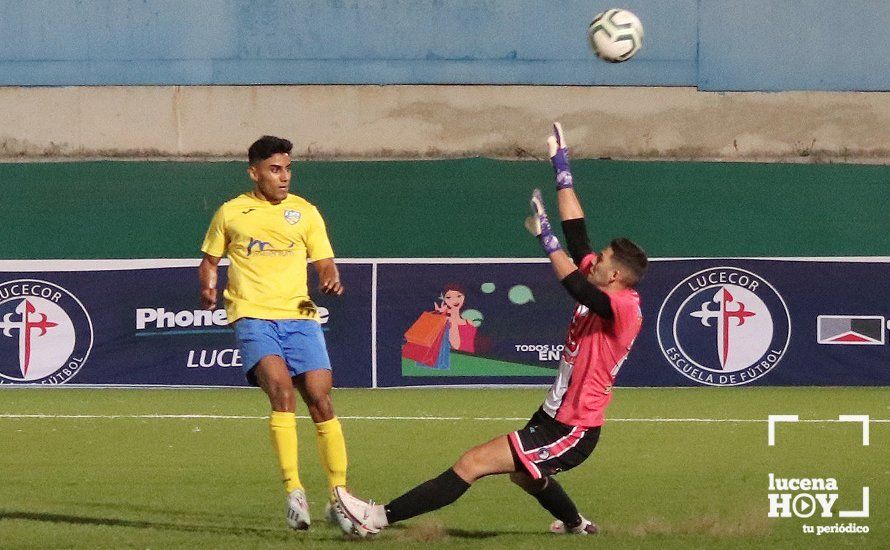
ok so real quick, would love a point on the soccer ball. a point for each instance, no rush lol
(616, 35)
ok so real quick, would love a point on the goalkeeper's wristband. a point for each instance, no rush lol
(548, 240)
(550, 243)
(560, 162)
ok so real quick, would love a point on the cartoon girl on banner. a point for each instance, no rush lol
(461, 332)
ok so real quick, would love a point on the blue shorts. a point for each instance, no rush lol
(300, 342)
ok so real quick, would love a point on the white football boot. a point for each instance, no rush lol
(298, 510)
(357, 511)
(335, 516)
(586, 527)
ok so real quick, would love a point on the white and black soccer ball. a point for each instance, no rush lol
(616, 35)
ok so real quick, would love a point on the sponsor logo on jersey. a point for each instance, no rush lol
(46, 333)
(724, 326)
(256, 247)
(256, 244)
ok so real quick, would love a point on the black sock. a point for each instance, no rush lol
(426, 497)
(555, 500)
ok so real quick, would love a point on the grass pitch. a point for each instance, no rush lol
(675, 468)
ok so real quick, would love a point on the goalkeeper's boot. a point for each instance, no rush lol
(358, 512)
(586, 527)
(298, 510)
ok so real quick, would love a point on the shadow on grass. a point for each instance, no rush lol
(433, 530)
(137, 524)
(421, 533)
(117, 507)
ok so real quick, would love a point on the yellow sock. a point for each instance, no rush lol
(332, 450)
(283, 431)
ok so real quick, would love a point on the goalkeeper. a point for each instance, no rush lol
(565, 429)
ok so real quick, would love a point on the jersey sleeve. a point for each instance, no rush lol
(215, 239)
(318, 246)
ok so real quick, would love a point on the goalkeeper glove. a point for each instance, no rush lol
(559, 158)
(538, 224)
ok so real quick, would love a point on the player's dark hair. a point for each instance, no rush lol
(630, 255)
(267, 146)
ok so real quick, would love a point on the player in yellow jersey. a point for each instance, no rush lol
(268, 234)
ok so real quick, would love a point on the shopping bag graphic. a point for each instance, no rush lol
(443, 362)
(423, 341)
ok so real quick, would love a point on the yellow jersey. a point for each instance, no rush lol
(268, 246)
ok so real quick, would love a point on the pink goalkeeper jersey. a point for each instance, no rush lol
(594, 351)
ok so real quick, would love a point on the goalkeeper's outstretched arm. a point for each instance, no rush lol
(568, 273)
(570, 210)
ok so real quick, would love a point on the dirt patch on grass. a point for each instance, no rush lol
(426, 530)
(751, 523)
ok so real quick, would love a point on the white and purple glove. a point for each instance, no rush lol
(538, 224)
(559, 158)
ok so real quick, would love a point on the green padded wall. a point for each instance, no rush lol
(453, 208)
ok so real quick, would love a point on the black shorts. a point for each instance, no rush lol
(546, 446)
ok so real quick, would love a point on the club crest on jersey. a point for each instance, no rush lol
(292, 216)
(45, 333)
(724, 326)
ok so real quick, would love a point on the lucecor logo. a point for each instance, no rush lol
(45, 333)
(724, 326)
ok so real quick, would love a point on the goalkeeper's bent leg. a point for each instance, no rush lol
(551, 496)
(555, 500)
(493, 457)
(428, 496)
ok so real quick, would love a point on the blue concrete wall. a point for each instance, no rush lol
(756, 44)
(794, 44)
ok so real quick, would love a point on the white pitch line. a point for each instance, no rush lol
(135, 416)
(434, 418)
